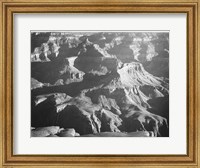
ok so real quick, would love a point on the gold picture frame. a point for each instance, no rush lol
(10, 7)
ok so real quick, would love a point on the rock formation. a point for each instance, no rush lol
(101, 84)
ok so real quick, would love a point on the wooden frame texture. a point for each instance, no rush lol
(10, 7)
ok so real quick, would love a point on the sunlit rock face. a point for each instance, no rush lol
(36, 84)
(100, 83)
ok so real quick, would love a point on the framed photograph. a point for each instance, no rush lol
(104, 83)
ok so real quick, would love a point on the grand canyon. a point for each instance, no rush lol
(100, 84)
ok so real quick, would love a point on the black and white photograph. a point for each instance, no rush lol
(99, 83)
